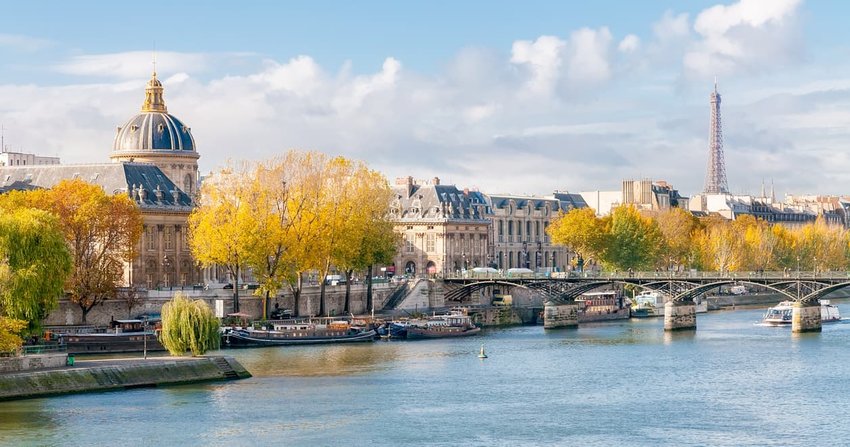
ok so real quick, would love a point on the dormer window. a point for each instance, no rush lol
(134, 128)
(160, 128)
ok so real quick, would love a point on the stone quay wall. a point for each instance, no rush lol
(70, 314)
(32, 362)
(104, 375)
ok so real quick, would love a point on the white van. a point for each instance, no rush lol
(333, 280)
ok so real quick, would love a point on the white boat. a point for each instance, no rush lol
(781, 314)
(647, 304)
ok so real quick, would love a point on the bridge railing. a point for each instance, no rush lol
(659, 275)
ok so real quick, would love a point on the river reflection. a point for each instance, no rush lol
(728, 383)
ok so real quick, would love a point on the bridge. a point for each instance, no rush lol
(560, 291)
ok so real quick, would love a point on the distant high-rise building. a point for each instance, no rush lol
(715, 178)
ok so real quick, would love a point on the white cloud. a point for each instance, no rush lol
(629, 44)
(573, 112)
(136, 64)
(542, 58)
(588, 55)
(23, 43)
(749, 35)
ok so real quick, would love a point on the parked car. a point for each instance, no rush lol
(250, 286)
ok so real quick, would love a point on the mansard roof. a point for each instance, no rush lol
(145, 183)
(441, 202)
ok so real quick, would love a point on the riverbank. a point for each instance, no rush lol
(116, 374)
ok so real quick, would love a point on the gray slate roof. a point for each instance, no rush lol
(144, 182)
(444, 202)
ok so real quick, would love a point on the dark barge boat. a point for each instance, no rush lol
(121, 337)
(295, 333)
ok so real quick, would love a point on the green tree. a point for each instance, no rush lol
(635, 240)
(34, 264)
(188, 325)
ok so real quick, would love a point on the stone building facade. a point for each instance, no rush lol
(519, 225)
(443, 230)
(154, 162)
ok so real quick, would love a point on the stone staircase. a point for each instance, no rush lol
(225, 367)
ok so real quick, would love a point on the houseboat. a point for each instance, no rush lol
(455, 324)
(122, 336)
(290, 333)
(601, 306)
(782, 313)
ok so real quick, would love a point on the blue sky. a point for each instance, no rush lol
(518, 97)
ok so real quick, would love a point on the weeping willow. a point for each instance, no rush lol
(188, 325)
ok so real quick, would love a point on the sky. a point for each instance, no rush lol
(506, 97)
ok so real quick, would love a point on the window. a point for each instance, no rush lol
(149, 237)
(408, 244)
(429, 243)
(169, 238)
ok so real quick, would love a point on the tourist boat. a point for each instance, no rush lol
(781, 314)
(455, 324)
(290, 333)
(122, 336)
(647, 304)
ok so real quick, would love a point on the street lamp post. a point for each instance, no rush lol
(166, 267)
(145, 337)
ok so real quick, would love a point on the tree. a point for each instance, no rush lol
(821, 247)
(131, 298)
(34, 264)
(11, 331)
(719, 245)
(188, 325)
(635, 240)
(222, 229)
(101, 232)
(581, 231)
(367, 235)
(677, 227)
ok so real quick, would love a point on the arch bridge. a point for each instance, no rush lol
(561, 290)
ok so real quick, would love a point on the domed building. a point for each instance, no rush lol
(155, 163)
(155, 136)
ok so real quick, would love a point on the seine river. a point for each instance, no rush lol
(606, 384)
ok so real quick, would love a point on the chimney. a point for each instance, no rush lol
(436, 181)
(466, 191)
(405, 181)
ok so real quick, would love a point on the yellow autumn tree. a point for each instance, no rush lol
(719, 245)
(821, 247)
(367, 235)
(222, 228)
(581, 231)
(677, 226)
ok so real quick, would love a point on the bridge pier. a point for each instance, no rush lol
(679, 316)
(559, 315)
(805, 317)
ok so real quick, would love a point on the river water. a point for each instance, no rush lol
(627, 384)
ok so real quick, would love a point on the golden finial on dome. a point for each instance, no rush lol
(153, 94)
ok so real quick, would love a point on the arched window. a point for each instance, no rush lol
(187, 184)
